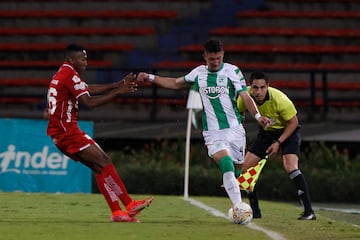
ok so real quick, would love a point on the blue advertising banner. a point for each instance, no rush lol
(30, 162)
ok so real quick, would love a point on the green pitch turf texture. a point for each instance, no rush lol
(85, 216)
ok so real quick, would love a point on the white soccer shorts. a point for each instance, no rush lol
(231, 139)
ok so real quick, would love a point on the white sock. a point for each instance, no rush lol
(232, 187)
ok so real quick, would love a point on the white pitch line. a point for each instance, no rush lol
(352, 211)
(273, 235)
(349, 210)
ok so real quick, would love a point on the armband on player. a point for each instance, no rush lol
(257, 116)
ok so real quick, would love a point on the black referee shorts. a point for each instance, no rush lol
(265, 138)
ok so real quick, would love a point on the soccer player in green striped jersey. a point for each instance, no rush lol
(219, 85)
(283, 134)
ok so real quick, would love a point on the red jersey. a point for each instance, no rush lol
(64, 90)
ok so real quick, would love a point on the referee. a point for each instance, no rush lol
(283, 134)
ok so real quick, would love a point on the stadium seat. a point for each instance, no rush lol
(141, 14)
(299, 14)
(274, 48)
(290, 32)
(62, 46)
(49, 63)
(318, 85)
(21, 82)
(267, 66)
(21, 100)
(76, 31)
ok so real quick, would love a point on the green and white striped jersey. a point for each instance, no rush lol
(219, 91)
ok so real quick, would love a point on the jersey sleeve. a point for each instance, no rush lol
(192, 76)
(238, 80)
(240, 104)
(76, 86)
(287, 109)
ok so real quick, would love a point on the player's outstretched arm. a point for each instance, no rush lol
(96, 89)
(252, 108)
(165, 82)
(127, 85)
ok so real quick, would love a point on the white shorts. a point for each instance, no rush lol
(231, 139)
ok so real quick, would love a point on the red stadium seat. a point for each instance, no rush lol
(299, 14)
(270, 48)
(20, 100)
(47, 63)
(267, 66)
(76, 31)
(291, 32)
(18, 82)
(141, 14)
(62, 46)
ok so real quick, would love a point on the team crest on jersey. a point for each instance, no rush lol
(221, 80)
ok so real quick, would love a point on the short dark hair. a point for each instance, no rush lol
(258, 75)
(213, 46)
(71, 48)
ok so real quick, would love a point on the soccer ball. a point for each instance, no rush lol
(240, 213)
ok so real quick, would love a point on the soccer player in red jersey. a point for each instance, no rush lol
(66, 91)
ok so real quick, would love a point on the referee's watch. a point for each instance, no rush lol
(278, 141)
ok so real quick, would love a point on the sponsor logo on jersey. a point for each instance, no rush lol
(213, 92)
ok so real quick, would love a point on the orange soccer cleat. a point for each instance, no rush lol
(135, 206)
(121, 216)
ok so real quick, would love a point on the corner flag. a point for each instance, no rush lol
(248, 179)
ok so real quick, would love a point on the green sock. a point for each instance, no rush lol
(226, 164)
(238, 172)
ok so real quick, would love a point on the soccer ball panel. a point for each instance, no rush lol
(240, 213)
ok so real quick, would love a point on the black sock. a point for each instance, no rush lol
(302, 189)
(254, 202)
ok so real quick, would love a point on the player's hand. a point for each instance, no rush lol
(131, 77)
(142, 76)
(264, 121)
(127, 84)
(273, 148)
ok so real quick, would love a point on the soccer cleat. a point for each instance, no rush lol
(135, 206)
(254, 204)
(256, 213)
(248, 179)
(307, 216)
(121, 216)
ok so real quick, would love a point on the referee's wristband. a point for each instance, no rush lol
(151, 77)
(257, 116)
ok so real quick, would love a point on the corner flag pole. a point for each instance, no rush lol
(193, 103)
(187, 153)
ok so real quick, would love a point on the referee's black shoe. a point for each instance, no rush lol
(307, 216)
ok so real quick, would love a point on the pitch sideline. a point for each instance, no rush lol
(273, 235)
